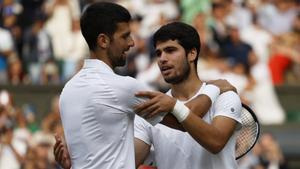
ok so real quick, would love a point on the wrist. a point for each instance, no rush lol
(212, 91)
(180, 111)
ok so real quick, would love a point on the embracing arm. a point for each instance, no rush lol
(142, 150)
(199, 106)
(212, 137)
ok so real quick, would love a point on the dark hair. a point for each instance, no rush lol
(101, 17)
(186, 35)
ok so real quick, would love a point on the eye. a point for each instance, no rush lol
(126, 36)
(157, 53)
(170, 50)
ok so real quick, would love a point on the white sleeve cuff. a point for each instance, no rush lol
(212, 92)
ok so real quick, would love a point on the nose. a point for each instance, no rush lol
(130, 42)
(163, 58)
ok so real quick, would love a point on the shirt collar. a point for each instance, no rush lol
(96, 64)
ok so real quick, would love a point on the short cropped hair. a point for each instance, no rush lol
(186, 35)
(101, 17)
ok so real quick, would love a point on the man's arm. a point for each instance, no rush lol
(141, 151)
(61, 153)
(199, 105)
(212, 136)
(62, 156)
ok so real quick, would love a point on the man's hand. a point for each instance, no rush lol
(61, 153)
(224, 85)
(157, 103)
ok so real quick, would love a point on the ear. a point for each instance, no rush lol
(192, 55)
(103, 41)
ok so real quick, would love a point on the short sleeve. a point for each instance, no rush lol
(142, 130)
(126, 89)
(229, 105)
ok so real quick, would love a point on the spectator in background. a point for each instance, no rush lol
(78, 51)
(11, 11)
(6, 50)
(16, 74)
(153, 12)
(235, 49)
(271, 155)
(277, 16)
(11, 154)
(62, 16)
(258, 38)
(285, 53)
(52, 121)
(10, 158)
(266, 154)
(37, 48)
(217, 22)
(191, 8)
(30, 9)
(262, 98)
(207, 41)
(50, 73)
(239, 11)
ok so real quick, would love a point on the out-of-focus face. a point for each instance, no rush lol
(172, 61)
(120, 43)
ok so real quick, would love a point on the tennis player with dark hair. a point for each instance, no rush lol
(97, 105)
(209, 142)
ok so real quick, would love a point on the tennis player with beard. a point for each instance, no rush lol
(208, 142)
(97, 105)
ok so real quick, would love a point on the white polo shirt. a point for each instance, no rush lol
(97, 117)
(176, 149)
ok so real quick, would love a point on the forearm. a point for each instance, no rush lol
(170, 121)
(205, 134)
(199, 106)
(142, 150)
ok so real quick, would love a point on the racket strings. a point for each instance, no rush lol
(248, 133)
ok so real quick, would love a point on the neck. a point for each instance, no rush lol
(101, 55)
(187, 88)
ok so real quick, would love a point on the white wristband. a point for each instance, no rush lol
(180, 111)
(212, 92)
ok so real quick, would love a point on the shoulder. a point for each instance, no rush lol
(228, 104)
(229, 97)
(133, 84)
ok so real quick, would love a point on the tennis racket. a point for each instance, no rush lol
(248, 134)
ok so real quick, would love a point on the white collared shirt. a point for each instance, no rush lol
(96, 108)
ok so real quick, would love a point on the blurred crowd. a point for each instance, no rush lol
(254, 44)
(26, 143)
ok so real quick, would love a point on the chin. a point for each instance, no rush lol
(121, 63)
(174, 80)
